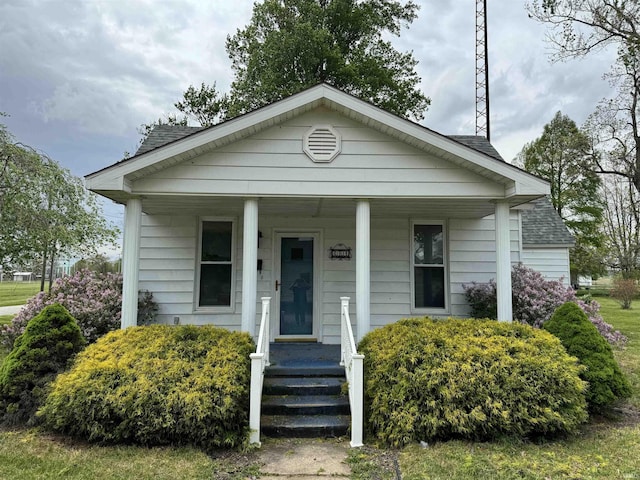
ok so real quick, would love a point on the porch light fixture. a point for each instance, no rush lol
(322, 143)
(340, 252)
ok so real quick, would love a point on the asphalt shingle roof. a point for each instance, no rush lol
(543, 226)
(164, 134)
(478, 143)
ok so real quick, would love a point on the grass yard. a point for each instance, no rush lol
(28, 454)
(17, 293)
(628, 322)
(600, 452)
(604, 449)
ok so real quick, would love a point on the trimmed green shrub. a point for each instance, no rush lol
(49, 341)
(155, 385)
(475, 379)
(606, 381)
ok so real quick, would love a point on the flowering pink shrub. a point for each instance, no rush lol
(93, 299)
(534, 301)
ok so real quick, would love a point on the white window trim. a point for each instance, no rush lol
(196, 291)
(445, 266)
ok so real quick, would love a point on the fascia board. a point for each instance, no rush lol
(108, 183)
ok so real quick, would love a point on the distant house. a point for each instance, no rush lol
(319, 196)
(23, 276)
(546, 241)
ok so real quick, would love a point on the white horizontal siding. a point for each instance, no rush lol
(168, 249)
(370, 164)
(168, 266)
(472, 256)
(552, 263)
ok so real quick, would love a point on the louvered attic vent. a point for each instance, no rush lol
(322, 143)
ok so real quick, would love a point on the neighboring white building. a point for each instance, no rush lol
(23, 276)
(316, 197)
(546, 241)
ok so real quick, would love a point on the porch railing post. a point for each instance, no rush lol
(357, 403)
(259, 360)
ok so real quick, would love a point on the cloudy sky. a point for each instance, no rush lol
(78, 77)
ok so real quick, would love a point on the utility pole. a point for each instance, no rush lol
(482, 71)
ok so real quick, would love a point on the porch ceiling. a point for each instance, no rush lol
(323, 207)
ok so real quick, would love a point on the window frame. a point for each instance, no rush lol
(445, 266)
(198, 267)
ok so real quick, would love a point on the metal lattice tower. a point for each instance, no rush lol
(482, 71)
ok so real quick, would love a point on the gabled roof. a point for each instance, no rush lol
(162, 135)
(479, 158)
(542, 226)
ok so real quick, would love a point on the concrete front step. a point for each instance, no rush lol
(305, 405)
(305, 371)
(305, 426)
(302, 385)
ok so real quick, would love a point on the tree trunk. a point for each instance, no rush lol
(44, 268)
(53, 256)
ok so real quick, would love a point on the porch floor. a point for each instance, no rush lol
(304, 355)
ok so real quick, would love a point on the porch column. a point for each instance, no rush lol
(130, 262)
(363, 269)
(250, 265)
(503, 262)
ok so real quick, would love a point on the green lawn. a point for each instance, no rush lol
(29, 454)
(604, 449)
(17, 293)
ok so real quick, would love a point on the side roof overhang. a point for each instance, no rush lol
(115, 181)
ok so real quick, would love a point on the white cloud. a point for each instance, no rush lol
(81, 70)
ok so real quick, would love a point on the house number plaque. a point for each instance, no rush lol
(340, 252)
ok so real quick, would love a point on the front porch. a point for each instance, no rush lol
(381, 274)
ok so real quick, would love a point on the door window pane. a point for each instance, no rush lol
(296, 295)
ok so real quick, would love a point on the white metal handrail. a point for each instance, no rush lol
(259, 361)
(354, 371)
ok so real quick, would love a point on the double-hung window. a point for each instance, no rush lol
(215, 287)
(428, 266)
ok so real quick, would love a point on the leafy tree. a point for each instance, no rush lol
(290, 45)
(578, 27)
(44, 210)
(622, 225)
(561, 156)
(205, 105)
(98, 263)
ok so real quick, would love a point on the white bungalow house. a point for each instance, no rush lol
(313, 198)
